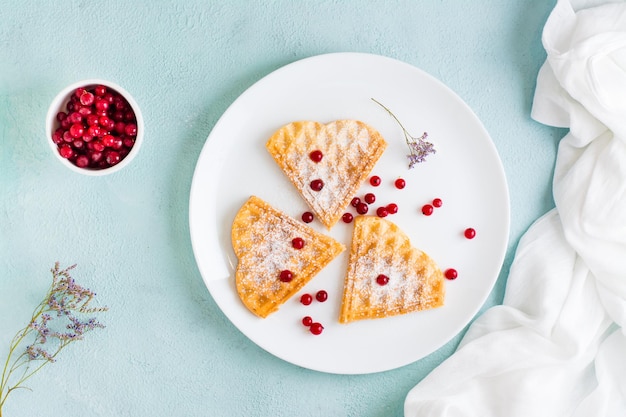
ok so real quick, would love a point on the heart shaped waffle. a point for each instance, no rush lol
(262, 240)
(414, 280)
(349, 150)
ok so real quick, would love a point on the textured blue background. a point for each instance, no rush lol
(167, 349)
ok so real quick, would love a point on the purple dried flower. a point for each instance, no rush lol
(419, 148)
(69, 301)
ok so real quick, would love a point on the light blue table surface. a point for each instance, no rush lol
(167, 349)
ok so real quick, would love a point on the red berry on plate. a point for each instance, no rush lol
(316, 156)
(286, 276)
(316, 328)
(400, 183)
(307, 217)
(427, 210)
(317, 185)
(347, 217)
(451, 274)
(382, 279)
(392, 208)
(375, 180)
(382, 212)
(306, 299)
(307, 321)
(470, 233)
(321, 296)
(437, 202)
(297, 243)
(369, 198)
(362, 208)
(355, 202)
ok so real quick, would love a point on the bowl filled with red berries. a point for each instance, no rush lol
(94, 127)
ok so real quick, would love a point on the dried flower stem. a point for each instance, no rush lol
(63, 300)
(418, 147)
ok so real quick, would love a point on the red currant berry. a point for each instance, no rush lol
(316, 156)
(108, 140)
(95, 156)
(307, 217)
(57, 137)
(375, 180)
(369, 198)
(96, 145)
(286, 276)
(130, 129)
(451, 273)
(382, 212)
(355, 202)
(347, 217)
(400, 183)
(297, 243)
(100, 90)
(66, 151)
(316, 328)
(382, 279)
(77, 130)
(113, 158)
(85, 111)
(437, 202)
(94, 130)
(102, 105)
(119, 128)
(75, 117)
(362, 208)
(86, 98)
(321, 296)
(92, 120)
(307, 321)
(427, 210)
(470, 233)
(306, 299)
(317, 185)
(392, 208)
(82, 161)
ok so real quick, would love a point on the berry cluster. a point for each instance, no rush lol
(97, 129)
(306, 299)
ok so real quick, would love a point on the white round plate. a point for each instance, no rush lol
(466, 173)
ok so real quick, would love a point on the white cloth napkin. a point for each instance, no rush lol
(556, 347)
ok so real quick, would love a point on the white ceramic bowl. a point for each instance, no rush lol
(59, 104)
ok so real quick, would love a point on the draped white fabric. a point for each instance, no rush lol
(556, 347)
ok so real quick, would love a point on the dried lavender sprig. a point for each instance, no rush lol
(65, 298)
(418, 146)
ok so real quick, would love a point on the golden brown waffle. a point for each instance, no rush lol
(350, 150)
(380, 247)
(262, 239)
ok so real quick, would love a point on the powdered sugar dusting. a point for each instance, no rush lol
(350, 149)
(262, 240)
(379, 247)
